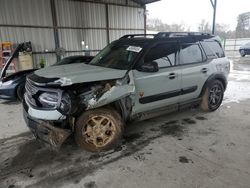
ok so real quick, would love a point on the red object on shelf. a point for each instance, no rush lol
(6, 49)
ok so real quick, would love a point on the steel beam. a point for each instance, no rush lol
(214, 5)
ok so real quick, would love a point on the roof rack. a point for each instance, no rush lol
(180, 34)
(137, 35)
(169, 35)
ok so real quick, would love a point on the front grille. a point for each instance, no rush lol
(31, 90)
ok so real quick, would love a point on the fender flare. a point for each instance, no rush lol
(211, 78)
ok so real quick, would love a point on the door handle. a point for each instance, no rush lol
(172, 75)
(204, 70)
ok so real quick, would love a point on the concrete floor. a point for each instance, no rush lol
(185, 149)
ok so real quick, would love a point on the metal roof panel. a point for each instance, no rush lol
(143, 2)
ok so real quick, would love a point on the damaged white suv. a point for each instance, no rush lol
(133, 78)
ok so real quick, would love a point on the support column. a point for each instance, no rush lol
(107, 22)
(55, 28)
(214, 5)
(145, 19)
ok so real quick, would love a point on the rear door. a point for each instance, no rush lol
(162, 88)
(194, 70)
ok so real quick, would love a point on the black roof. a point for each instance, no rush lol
(142, 39)
(164, 35)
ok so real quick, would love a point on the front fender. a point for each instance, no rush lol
(123, 88)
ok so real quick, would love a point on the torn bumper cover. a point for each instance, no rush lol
(118, 91)
(45, 131)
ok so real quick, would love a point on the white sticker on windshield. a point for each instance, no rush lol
(134, 49)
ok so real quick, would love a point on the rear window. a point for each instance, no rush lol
(212, 49)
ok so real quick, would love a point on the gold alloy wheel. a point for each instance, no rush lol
(99, 131)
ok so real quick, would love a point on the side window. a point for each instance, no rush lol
(190, 53)
(216, 48)
(163, 54)
(208, 51)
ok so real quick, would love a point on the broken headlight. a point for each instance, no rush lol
(66, 104)
(48, 99)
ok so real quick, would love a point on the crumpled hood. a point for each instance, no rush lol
(80, 73)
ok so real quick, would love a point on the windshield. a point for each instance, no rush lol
(117, 56)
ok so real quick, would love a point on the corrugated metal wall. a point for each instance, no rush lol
(20, 16)
(77, 21)
(126, 17)
(87, 22)
(25, 12)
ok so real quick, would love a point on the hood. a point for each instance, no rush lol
(79, 73)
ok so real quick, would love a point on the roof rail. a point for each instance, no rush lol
(180, 34)
(137, 35)
(170, 35)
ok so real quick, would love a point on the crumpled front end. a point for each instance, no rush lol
(45, 130)
(48, 111)
(111, 92)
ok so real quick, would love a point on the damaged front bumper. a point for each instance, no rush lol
(44, 130)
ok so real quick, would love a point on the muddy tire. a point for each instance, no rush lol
(99, 129)
(213, 96)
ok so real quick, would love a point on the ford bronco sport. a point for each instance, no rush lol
(134, 78)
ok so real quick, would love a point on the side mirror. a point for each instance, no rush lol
(149, 67)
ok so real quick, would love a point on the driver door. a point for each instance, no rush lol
(162, 88)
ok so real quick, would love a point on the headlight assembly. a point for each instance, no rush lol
(64, 102)
(48, 99)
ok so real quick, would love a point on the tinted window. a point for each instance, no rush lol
(247, 44)
(208, 51)
(163, 54)
(216, 48)
(116, 56)
(190, 53)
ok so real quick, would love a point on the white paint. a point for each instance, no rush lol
(45, 114)
(136, 49)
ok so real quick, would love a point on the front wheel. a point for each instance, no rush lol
(99, 129)
(213, 96)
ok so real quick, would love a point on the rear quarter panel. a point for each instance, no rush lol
(220, 66)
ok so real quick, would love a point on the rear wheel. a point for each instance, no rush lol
(213, 96)
(242, 53)
(98, 129)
